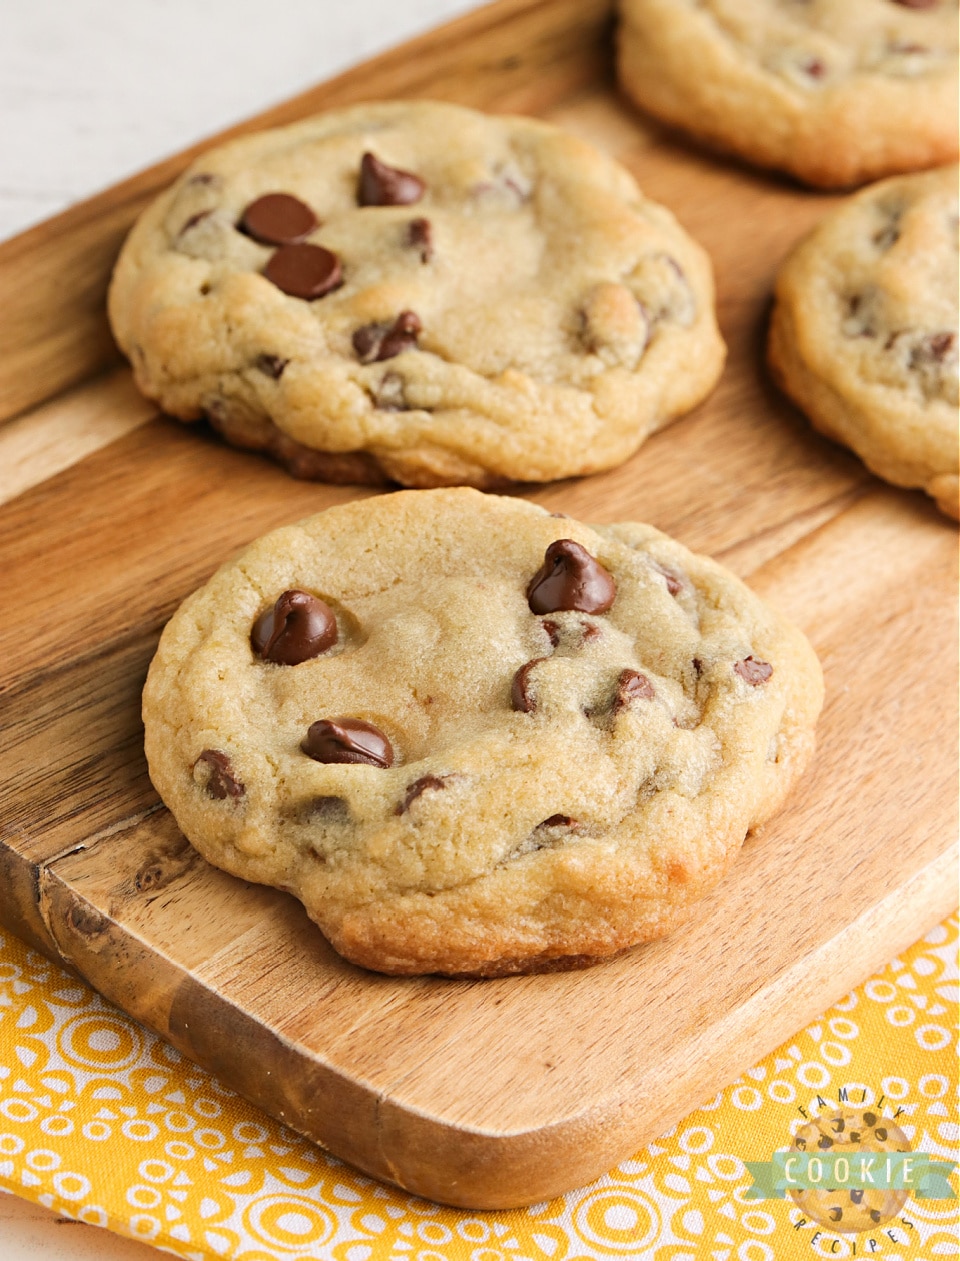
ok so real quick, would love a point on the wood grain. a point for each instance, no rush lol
(484, 1094)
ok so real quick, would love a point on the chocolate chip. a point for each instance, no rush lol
(934, 348)
(382, 185)
(869, 1118)
(304, 271)
(558, 821)
(881, 1133)
(271, 365)
(553, 632)
(632, 686)
(752, 671)
(835, 1213)
(917, 4)
(347, 740)
(874, 1212)
(856, 1196)
(194, 220)
(298, 627)
(520, 694)
(570, 578)
(853, 1136)
(824, 1143)
(375, 342)
(278, 219)
(814, 67)
(414, 790)
(221, 782)
(590, 630)
(420, 236)
(674, 581)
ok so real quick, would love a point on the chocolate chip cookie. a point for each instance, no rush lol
(837, 92)
(418, 293)
(864, 334)
(473, 737)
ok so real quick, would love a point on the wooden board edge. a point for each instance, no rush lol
(426, 1154)
(516, 55)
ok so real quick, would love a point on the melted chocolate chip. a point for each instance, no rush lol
(632, 686)
(271, 365)
(297, 628)
(194, 220)
(375, 342)
(347, 740)
(752, 671)
(278, 219)
(304, 271)
(520, 694)
(420, 236)
(382, 185)
(553, 632)
(570, 578)
(558, 821)
(414, 790)
(934, 348)
(221, 781)
(674, 581)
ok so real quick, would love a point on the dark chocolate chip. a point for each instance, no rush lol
(674, 581)
(553, 631)
(632, 686)
(278, 219)
(752, 671)
(570, 578)
(934, 348)
(347, 740)
(375, 342)
(297, 628)
(194, 220)
(271, 365)
(420, 236)
(304, 271)
(520, 695)
(382, 185)
(558, 821)
(221, 780)
(419, 786)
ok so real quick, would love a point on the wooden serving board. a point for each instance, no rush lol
(496, 1093)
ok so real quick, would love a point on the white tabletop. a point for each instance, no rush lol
(92, 91)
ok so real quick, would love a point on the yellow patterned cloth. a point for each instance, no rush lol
(101, 1120)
